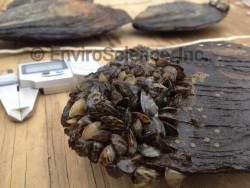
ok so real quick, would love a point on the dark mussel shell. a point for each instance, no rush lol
(181, 16)
(112, 123)
(169, 118)
(170, 129)
(143, 118)
(114, 171)
(120, 145)
(16, 3)
(59, 20)
(132, 143)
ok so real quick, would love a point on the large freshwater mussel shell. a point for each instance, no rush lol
(181, 16)
(59, 20)
(16, 3)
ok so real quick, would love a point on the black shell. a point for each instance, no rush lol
(59, 20)
(16, 3)
(180, 16)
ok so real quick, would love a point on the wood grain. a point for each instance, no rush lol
(222, 97)
(35, 153)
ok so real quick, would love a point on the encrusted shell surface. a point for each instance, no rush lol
(122, 119)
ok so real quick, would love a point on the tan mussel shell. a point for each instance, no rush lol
(144, 176)
(93, 132)
(174, 178)
(107, 156)
(78, 108)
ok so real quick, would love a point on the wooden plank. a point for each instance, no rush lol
(224, 99)
(37, 157)
(23, 156)
(55, 142)
(65, 167)
(6, 155)
(19, 162)
(7, 142)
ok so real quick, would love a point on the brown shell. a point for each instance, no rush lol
(59, 20)
(119, 144)
(180, 16)
(114, 171)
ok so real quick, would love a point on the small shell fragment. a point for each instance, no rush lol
(217, 95)
(217, 131)
(193, 145)
(216, 145)
(206, 139)
(202, 125)
(177, 141)
(174, 178)
(204, 116)
(199, 109)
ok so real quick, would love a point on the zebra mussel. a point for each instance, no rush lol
(124, 114)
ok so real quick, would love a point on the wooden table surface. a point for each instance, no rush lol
(35, 153)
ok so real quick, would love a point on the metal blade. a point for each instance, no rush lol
(18, 104)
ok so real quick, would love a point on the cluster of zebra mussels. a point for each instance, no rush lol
(124, 114)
